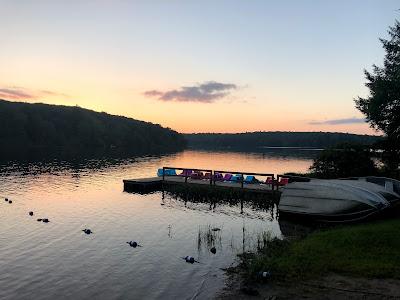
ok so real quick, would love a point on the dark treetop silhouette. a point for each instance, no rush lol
(43, 126)
(382, 106)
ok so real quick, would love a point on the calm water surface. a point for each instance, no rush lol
(58, 261)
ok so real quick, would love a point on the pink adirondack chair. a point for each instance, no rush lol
(283, 181)
(269, 180)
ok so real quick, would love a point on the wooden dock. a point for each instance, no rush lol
(143, 185)
(157, 182)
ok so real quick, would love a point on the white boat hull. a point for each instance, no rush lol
(335, 200)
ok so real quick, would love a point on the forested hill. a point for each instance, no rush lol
(43, 126)
(275, 139)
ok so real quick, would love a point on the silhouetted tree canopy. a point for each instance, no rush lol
(24, 126)
(346, 160)
(382, 106)
(276, 139)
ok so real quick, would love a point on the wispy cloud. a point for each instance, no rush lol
(52, 93)
(14, 93)
(18, 93)
(206, 92)
(339, 121)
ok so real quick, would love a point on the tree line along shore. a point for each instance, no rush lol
(44, 126)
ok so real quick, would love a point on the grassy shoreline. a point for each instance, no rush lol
(363, 250)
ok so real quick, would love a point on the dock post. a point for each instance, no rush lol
(241, 178)
(163, 174)
(273, 182)
(211, 177)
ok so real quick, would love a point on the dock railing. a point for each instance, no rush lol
(187, 173)
(242, 174)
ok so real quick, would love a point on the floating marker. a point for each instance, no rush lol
(31, 213)
(189, 259)
(133, 244)
(9, 201)
(213, 250)
(6, 199)
(39, 220)
(45, 220)
(87, 231)
(264, 275)
(216, 229)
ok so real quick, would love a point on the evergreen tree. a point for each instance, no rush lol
(382, 106)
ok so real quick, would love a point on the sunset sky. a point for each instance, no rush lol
(198, 66)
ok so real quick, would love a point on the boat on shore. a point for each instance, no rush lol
(339, 200)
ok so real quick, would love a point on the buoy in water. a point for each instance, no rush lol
(133, 244)
(213, 250)
(31, 213)
(216, 229)
(39, 220)
(87, 231)
(6, 199)
(9, 201)
(45, 220)
(189, 259)
(264, 275)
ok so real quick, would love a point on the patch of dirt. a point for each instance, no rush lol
(329, 287)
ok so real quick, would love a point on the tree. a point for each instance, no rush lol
(52, 128)
(345, 160)
(382, 106)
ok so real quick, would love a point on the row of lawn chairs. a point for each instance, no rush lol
(226, 177)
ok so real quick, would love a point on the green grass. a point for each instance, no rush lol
(367, 250)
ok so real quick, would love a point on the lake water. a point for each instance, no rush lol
(58, 261)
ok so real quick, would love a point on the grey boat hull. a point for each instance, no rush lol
(336, 200)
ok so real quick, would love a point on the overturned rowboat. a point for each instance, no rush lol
(339, 200)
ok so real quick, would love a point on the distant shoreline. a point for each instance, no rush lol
(277, 140)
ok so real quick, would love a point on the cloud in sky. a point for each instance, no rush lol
(206, 92)
(339, 121)
(14, 93)
(18, 93)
